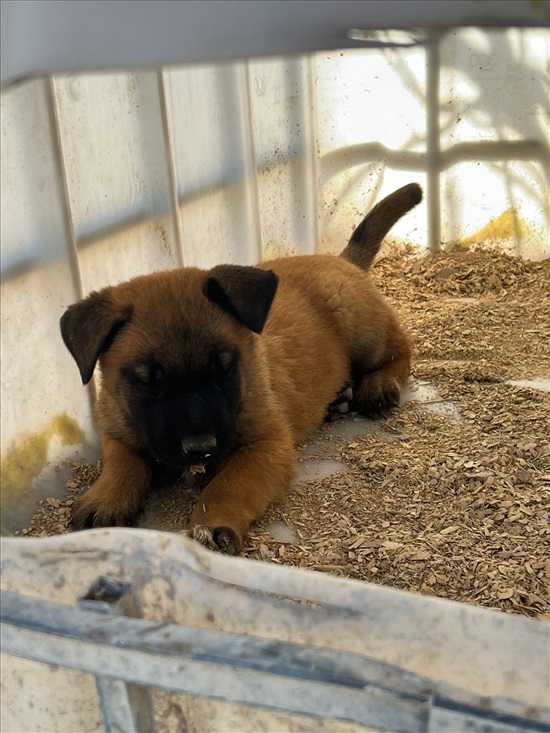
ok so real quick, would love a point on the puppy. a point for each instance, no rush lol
(225, 371)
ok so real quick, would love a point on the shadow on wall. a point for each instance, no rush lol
(510, 103)
(493, 114)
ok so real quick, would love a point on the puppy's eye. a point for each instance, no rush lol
(143, 373)
(220, 363)
(149, 376)
(226, 360)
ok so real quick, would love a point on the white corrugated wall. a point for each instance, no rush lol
(107, 176)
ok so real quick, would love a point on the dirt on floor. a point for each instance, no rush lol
(449, 496)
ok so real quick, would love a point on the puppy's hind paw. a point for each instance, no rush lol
(220, 539)
(376, 398)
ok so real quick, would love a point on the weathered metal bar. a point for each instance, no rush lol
(259, 672)
(125, 708)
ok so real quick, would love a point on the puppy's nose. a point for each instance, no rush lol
(198, 446)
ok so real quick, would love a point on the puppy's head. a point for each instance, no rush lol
(171, 348)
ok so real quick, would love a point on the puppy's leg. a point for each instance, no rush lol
(118, 496)
(254, 477)
(378, 381)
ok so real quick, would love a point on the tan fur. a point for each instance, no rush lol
(328, 327)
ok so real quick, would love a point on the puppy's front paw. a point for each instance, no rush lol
(221, 539)
(340, 406)
(89, 512)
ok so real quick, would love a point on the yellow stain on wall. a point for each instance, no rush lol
(507, 226)
(29, 457)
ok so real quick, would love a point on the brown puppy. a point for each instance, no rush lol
(229, 369)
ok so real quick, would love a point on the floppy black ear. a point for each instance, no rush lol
(245, 292)
(88, 329)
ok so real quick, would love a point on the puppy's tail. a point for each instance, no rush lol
(366, 239)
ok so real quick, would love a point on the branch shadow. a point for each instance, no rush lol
(507, 101)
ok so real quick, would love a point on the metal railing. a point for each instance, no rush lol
(127, 655)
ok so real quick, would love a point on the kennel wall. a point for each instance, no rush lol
(113, 174)
(106, 176)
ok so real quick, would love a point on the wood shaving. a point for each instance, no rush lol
(452, 508)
